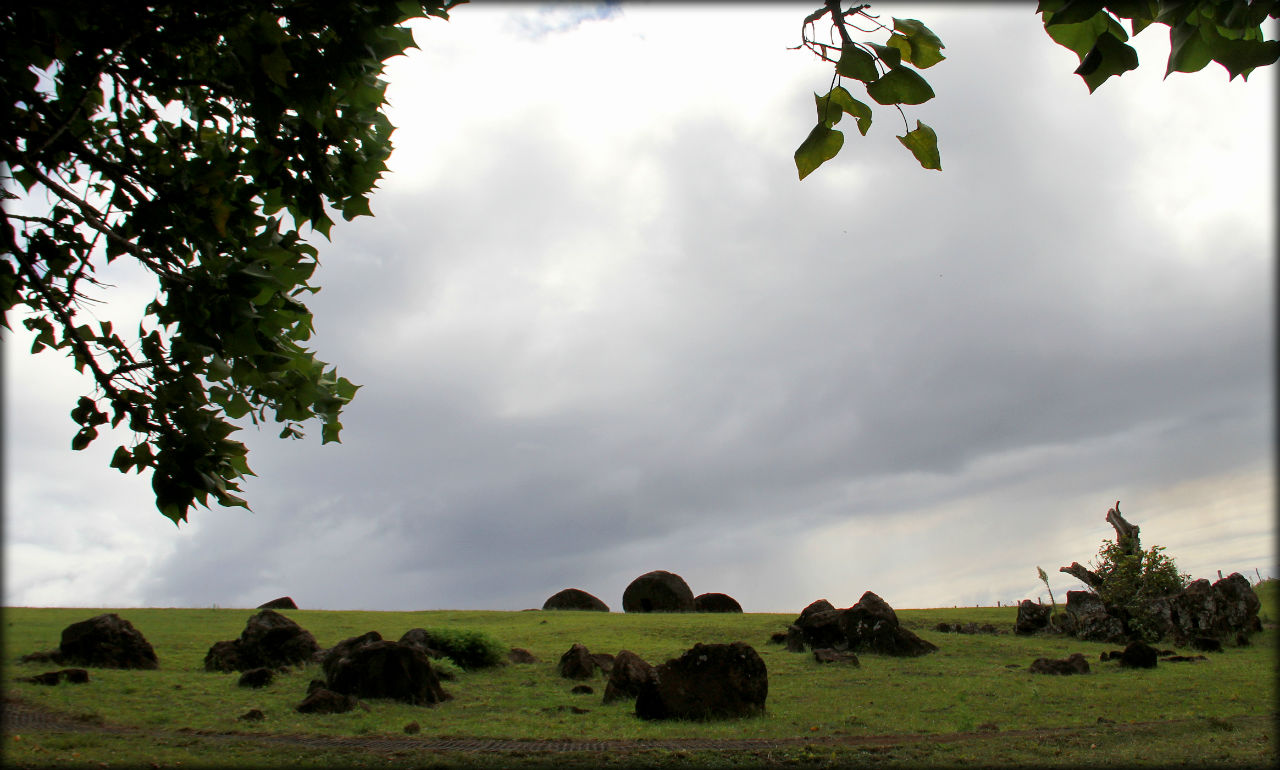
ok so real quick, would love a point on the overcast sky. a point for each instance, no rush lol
(602, 329)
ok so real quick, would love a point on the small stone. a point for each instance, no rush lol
(413, 728)
(252, 715)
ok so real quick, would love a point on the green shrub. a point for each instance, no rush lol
(446, 670)
(1131, 577)
(469, 649)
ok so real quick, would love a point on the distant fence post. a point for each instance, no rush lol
(1259, 574)
(1219, 574)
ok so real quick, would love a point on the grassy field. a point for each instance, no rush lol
(1217, 711)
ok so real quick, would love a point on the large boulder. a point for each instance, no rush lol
(1226, 609)
(819, 627)
(871, 625)
(269, 640)
(716, 603)
(709, 681)
(628, 676)
(105, 641)
(1032, 618)
(1088, 618)
(658, 591)
(574, 599)
(577, 663)
(384, 669)
(330, 657)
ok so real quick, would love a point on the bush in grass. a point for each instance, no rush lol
(446, 670)
(1132, 577)
(469, 649)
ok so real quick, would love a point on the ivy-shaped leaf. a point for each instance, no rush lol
(900, 86)
(923, 48)
(923, 143)
(1188, 51)
(1108, 57)
(837, 103)
(820, 146)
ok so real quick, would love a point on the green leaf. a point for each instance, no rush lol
(1239, 57)
(1074, 12)
(924, 47)
(820, 146)
(900, 86)
(1108, 57)
(1080, 37)
(891, 56)
(839, 102)
(276, 66)
(83, 438)
(923, 143)
(1188, 51)
(122, 460)
(857, 64)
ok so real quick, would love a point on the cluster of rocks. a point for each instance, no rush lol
(1225, 610)
(657, 591)
(709, 681)
(966, 628)
(1137, 654)
(870, 625)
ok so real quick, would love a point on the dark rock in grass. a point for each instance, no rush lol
(966, 628)
(871, 625)
(577, 663)
(75, 675)
(604, 661)
(778, 637)
(269, 640)
(835, 656)
(252, 715)
(256, 678)
(583, 689)
(1138, 655)
(709, 681)
(1206, 644)
(1032, 618)
(106, 641)
(382, 669)
(44, 656)
(795, 638)
(1072, 664)
(521, 655)
(819, 627)
(630, 672)
(414, 637)
(574, 599)
(413, 728)
(658, 591)
(329, 660)
(283, 603)
(315, 684)
(1242, 640)
(325, 701)
(48, 678)
(716, 603)
(1182, 659)
(1088, 618)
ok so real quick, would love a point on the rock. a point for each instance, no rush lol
(629, 674)
(871, 625)
(709, 681)
(1222, 610)
(283, 603)
(329, 661)
(325, 701)
(604, 661)
(74, 675)
(966, 628)
(1087, 618)
(269, 640)
(795, 638)
(778, 637)
(1032, 618)
(835, 656)
(383, 669)
(1072, 664)
(715, 603)
(819, 627)
(1206, 644)
(577, 663)
(417, 637)
(574, 599)
(105, 641)
(413, 728)
(315, 684)
(1183, 659)
(521, 655)
(256, 678)
(252, 715)
(1138, 655)
(583, 689)
(658, 591)
(48, 678)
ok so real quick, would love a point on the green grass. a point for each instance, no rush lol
(972, 683)
(1268, 592)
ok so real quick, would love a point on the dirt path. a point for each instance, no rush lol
(19, 715)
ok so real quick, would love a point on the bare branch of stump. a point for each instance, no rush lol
(1083, 574)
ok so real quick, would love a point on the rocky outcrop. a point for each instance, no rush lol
(1032, 618)
(658, 591)
(629, 674)
(709, 681)
(384, 669)
(574, 599)
(577, 663)
(269, 640)
(1088, 618)
(871, 625)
